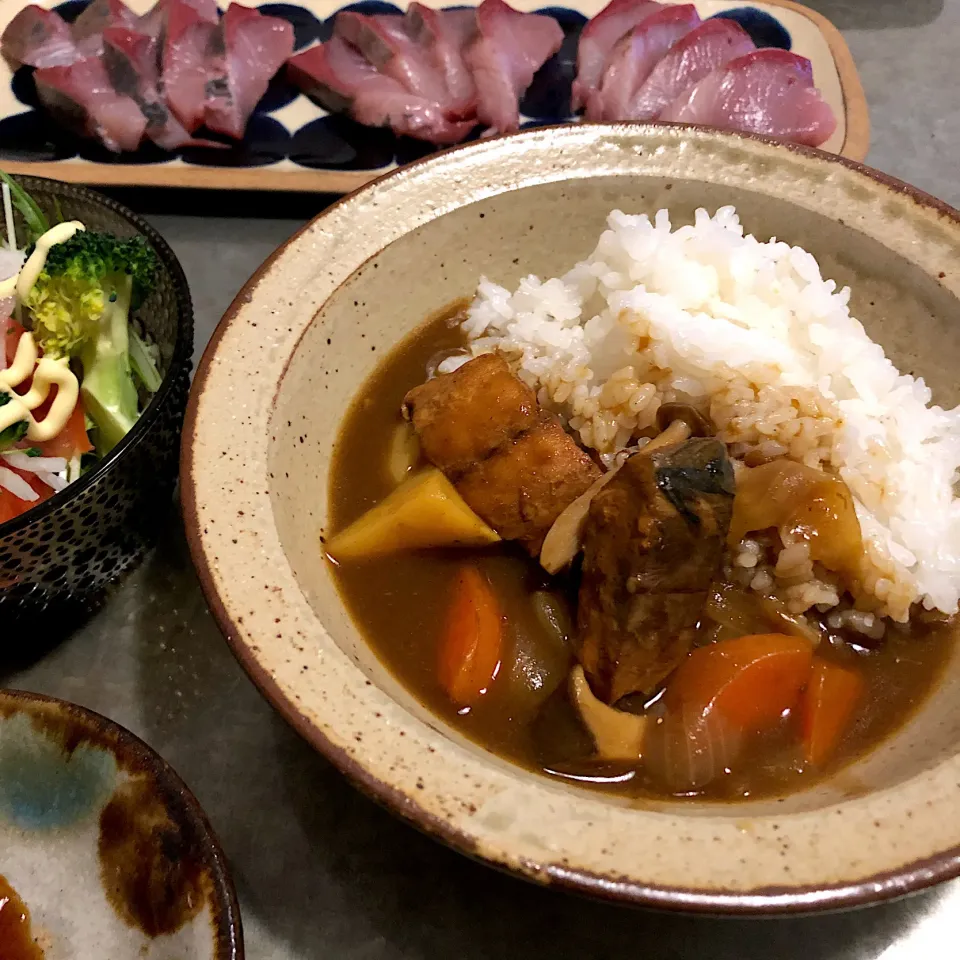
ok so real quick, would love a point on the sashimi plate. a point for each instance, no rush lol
(293, 144)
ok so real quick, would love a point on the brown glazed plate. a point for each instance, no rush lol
(312, 324)
(104, 852)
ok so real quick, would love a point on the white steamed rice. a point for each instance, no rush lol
(753, 334)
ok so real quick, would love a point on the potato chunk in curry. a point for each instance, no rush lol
(424, 511)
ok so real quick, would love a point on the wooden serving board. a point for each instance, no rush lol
(292, 144)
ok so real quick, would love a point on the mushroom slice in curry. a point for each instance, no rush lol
(617, 735)
(653, 544)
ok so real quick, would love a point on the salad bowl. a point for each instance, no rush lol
(58, 558)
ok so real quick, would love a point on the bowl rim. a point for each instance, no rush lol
(228, 927)
(767, 901)
(180, 361)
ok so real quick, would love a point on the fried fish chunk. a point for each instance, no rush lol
(653, 543)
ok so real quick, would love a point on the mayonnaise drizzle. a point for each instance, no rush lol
(46, 374)
(32, 269)
(21, 283)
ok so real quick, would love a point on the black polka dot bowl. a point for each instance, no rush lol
(58, 559)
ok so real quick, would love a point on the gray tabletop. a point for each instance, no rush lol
(322, 872)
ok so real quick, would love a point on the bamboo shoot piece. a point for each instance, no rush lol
(424, 511)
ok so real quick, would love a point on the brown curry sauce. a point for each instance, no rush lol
(16, 938)
(399, 602)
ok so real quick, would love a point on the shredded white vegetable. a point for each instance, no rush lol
(17, 485)
(8, 215)
(53, 480)
(21, 461)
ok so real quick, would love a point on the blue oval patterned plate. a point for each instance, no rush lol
(103, 850)
(293, 144)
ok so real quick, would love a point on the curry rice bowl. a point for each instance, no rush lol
(750, 333)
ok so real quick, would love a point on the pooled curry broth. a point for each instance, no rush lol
(399, 603)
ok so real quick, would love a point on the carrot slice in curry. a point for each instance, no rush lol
(832, 695)
(472, 639)
(750, 680)
(720, 695)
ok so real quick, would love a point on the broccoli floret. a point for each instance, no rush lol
(80, 307)
(13, 434)
(16, 431)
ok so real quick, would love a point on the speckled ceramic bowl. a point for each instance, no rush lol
(103, 850)
(312, 324)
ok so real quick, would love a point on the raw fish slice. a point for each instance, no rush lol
(384, 41)
(341, 79)
(713, 44)
(333, 74)
(254, 49)
(446, 35)
(187, 41)
(134, 69)
(207, 10)
(154, 20)
(598, 38)
(96, 17)
(38, 38)
(634, 57)
(509, 50)
(140, 52)
(187, 38)
(768, 91)
(82, 97)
